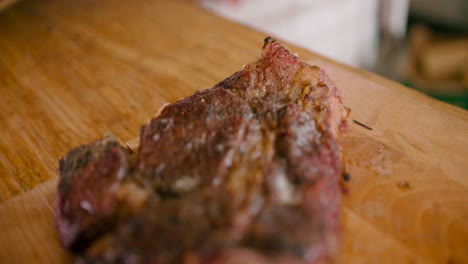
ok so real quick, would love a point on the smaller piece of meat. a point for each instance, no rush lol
(86, 204)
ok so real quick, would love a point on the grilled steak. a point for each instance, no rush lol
(86, 204)
(245, 172)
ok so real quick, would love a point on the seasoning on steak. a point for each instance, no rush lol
(245, 172)
(85, 202)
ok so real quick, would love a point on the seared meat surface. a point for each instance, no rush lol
(245, 172)
(86, 204)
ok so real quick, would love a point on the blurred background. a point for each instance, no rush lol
(420, 43)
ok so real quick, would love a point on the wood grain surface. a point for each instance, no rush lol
(72, 71)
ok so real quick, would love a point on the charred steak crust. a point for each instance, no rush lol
(245, 172)
(85, 203)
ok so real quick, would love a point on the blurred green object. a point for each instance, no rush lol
(460, 100)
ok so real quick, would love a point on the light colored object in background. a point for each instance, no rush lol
(394, 14)
(436, 64)
(393, 20)
(445, 59)
(344, 30)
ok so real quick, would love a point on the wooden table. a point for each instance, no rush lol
(72, 71)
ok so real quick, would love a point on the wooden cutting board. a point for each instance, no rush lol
(71, 72)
